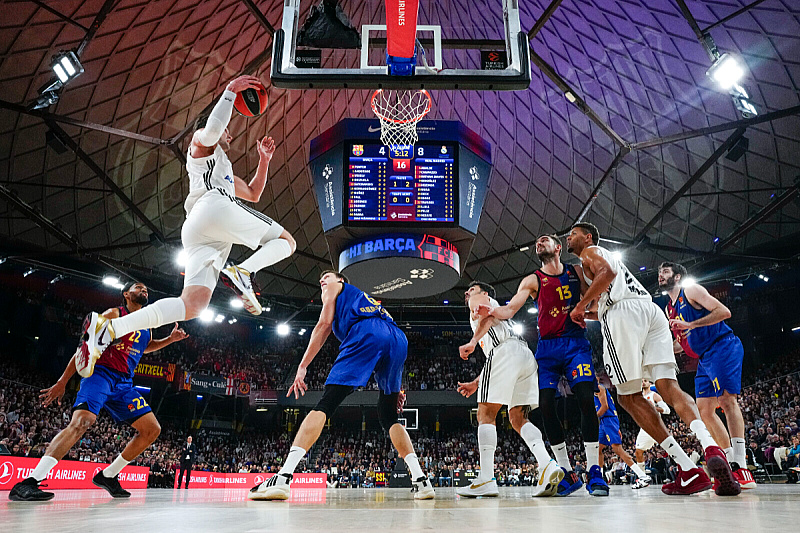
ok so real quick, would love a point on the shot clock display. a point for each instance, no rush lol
(400, 184)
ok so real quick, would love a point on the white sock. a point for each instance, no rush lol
(43, 467)
(560, 451)
(729, 453)
(270, 253)
(164, 311)
(640, 465)
(533, 438)
(412, 464)
(739, 451)
(115, 467)
(671, 446)
(487, 443)
(592, 454)
(295, 454)
(701, 432)
(638, 470)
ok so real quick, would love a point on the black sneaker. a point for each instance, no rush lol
(28, 490)
(111, 484)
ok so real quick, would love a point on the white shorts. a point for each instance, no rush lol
(510, 376)
(644, 441)
(637, 344)
(217, 221)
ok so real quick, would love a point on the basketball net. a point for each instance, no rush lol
(399, 113)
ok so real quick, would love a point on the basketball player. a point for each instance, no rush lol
(215, 219)
(370, 342)
(697, 320)
(110, 386)
(509, 378)
(610, 435)
(637, 344)
(562, 351)
(644, 441)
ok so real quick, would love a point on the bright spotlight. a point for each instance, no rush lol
(726, 71)
(219, 318)
(518, 329)
(236, 303)
(28, 272)
(302, 332)
(66, 66)
(617, 255)
(766, 278)
(268, 309)
(533, 310)
(111, 281)
(206, 316)
(283, 329)
(181, 258)
(688, 282)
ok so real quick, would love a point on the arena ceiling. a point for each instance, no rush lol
(638, 153)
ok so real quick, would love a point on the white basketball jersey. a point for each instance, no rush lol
(624, 286)
(648, 395)
(497, 334)
(208, 173)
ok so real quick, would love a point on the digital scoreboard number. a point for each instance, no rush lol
(401, 184)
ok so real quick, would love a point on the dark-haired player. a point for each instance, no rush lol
(508, 378)
(110, 386)
(697, 320)
(216, 219)
(371, 343)
(562, 351)
(637, 344)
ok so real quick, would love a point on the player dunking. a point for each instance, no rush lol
(215, 220)
(562, 351)
(109, 387)
(637, 344)
(697, 320)
(509, 378)
(611, 436)
(370, 342)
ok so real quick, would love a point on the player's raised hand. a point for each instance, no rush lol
(53, 394)
(482, 311)
(299, 386)
(266, 148)
(679, 325)
(467, 389)
(401, 401)
(466, 349)
(177, 334)
(244, 82)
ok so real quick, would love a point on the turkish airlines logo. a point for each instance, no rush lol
(494, 56)
(259, 479)
(97, 471)
(6, 472)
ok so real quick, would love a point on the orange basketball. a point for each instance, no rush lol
(251, 102)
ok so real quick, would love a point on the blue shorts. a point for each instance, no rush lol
(720, 368)
(372, 345)
(609, 431)
(564, 356)
(114, 391)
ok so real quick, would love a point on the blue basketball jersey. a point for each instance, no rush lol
(352, 306)
(612, 409)
(700, 339)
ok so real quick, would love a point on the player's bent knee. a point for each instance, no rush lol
(333, 396)
(387, 410)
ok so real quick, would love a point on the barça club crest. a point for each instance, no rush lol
(358, 150)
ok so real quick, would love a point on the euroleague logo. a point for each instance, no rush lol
(473, 173)
(421, 273)
(327, 172)
(6, 472)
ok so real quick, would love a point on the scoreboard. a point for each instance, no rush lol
(401, 184)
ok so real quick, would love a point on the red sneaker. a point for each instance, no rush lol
(744, 477)
(717, 462)
(689, 482)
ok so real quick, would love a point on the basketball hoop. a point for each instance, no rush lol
(399, 112)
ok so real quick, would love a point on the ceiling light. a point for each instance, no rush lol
(236, 303)
(267, 309)
(766, 278)
(181, 258)
(688, 282)
(524, 248)
(302, 332)
(28, 272)
(533, 310)
(66, 66)
(726, 71)
(206, 316)
(260, 327)
(445, 302)
(110, 281)
(518, 329)
(56, 279)
(219, 318)
(642, 268)
(283, 329)
(616, 254)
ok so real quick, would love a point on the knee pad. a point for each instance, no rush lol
(332, 398)
(387, 410)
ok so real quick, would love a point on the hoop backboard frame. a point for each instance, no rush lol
(286, 75)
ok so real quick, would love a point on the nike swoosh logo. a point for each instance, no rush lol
(373, 130)
(686, 482)
(480, 484)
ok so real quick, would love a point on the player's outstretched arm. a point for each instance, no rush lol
(252, 191)
(156, 344)
(221, 114)
(528, 288)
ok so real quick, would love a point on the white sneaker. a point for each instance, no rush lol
(641, 482)
(240, 281)
(99, 335)
(548, 480)
(422, 489)
(479, 488)
(275, 488)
